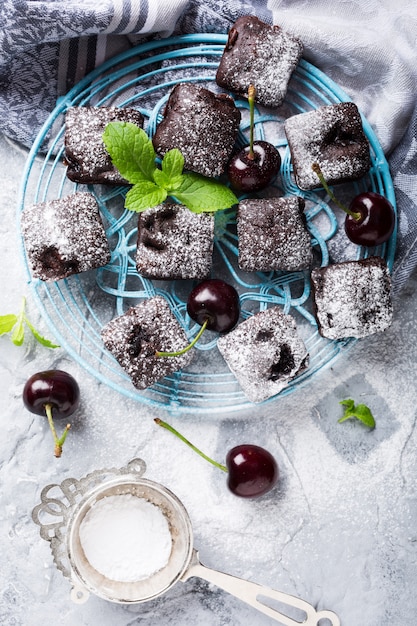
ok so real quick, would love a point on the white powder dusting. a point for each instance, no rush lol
(126, 538)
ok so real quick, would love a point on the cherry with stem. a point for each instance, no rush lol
(252, 470)
(54, 394)
(215, 305)
(370, 217)
(254, 167)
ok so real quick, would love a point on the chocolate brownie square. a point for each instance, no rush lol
(174, 242)
(331, 136)
(264, 352)
(352, 298)
(202, 125)
(135, 336)
(260, 55)
(86, 157)
(64, 236)
(273, 235)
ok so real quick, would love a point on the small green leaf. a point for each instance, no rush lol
(42, 340)
(161, 179)
(360, 412)
(144, 195)
(173, 163)
(18, 334)
(17, 324)
(199, 194)
(130, 150)
(7, 322)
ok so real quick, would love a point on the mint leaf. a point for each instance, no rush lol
(200, 194)
(173, 163)
(130, 150)
(359, 411)
(161, 179)
(18, 334)
(144, 195)
(39, 338)
(170, 184)
(7, 322)
(16, 323)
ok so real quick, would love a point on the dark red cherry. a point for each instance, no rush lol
(371, 221)
(216, 302)
(252, 471)
(54, 387)
(54, 394)
(252, 173)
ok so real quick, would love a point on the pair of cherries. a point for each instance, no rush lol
(370, 217)
(252, 470)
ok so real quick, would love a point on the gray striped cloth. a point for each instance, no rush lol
(368, 48)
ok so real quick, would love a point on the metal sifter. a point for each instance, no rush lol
(63, 508)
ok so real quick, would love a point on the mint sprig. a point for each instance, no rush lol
(15, 324)
(133, 154)
(359, 411)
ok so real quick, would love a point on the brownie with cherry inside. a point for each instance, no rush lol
(331, 136)
(261, 55)
(64, 236)
(265, 352)
(85, 155)
(134, 337)
(173, 242)
(352, 298)
(273, 235)
(202, 124)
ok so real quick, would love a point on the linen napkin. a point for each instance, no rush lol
(369, 49)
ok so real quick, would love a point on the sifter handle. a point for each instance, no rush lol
(251, 593)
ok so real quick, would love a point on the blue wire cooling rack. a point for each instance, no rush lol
(75, 309)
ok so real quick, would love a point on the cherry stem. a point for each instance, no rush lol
(59, 441)
(251, 100)
(192, 446)
(190, 345)
(316, 168)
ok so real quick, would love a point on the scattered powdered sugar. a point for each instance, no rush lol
(126, 538)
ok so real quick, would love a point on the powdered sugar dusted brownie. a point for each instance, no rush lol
(258, 54)
(202, 125)
(264, 353)
(272, 235)
(174, 242)
(64, 236)
(331, 136)
(85, 154)
(134, 337)
(352, 298)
